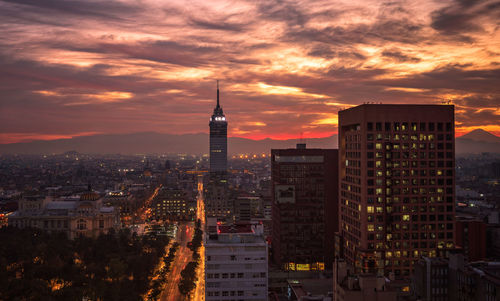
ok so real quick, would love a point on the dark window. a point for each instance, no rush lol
(378, 126)
(369, 126)
(387, 126)
(431, 126)
(440, 126)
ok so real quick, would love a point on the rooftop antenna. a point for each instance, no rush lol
(218, 94)
(302, 143)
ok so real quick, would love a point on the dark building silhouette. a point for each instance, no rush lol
(471, 237)
(397, 185)
(218, 140)
(304, 207)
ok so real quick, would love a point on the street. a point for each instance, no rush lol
(184, 255)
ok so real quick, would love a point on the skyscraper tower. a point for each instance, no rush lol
(397, 185)
(218, 140)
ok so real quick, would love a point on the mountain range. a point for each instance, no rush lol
(477, 141)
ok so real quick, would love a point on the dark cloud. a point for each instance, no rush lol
(326, 52)
(403, 31)
(218, 24)
(82, 9)
(477, 117)
(398, 56)
(461, 17)
(289, 12)
(479, 101)
(452, 77)
(322, 50)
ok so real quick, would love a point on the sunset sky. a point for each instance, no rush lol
(72, 68)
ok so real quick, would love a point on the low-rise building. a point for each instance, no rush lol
(85, 217)
(350, 286)
(172, 204)
(454, 279)
(236, 262)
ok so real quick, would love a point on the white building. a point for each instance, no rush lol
(235, 262)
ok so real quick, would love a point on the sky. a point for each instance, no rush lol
(82, 67)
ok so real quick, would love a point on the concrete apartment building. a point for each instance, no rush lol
(236, 265)
(305, 207)
(397, 185)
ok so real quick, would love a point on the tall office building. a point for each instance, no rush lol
(305, 207)
(217, 201)
(397, 185)
(218, 140)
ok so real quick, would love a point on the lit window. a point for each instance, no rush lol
(370, 209)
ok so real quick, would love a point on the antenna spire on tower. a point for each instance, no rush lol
(218, 93)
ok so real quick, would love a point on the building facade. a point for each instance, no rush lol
(85, 217)
(471, 237)
(397, 185)
(305, 207)
(235, 262)
(438, 279)
(218, 139)
(172, 204)
(219, 199)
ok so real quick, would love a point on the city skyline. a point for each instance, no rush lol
(286, 68)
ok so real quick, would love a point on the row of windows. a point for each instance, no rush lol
(399, 236)
(398, 209)
(409, 126)
(406, 182)
(406, 200)
(413, 245)
(415, 138)
(225, 293)
(406, 190)
(414, 227)
(225, 275)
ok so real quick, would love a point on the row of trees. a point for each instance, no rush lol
(188, 275)
(161, 275)
(35, 265)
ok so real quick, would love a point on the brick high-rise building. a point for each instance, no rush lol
(304, 207)
(397, 185)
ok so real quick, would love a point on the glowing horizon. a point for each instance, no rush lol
(286, 67)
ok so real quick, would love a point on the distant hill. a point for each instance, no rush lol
(481, 135)
(477, 141)
(149, 142)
